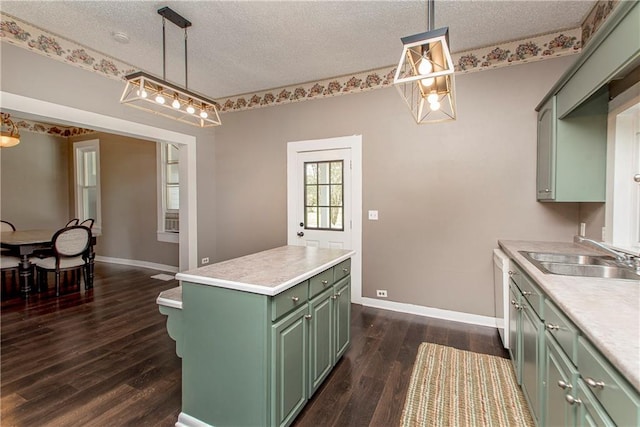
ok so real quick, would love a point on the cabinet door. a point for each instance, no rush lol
(342, 310)
(545, 183)
(590, 413)
(531, 364)
(560, 380)
(514, 324)
(321, 338)
(289, 369)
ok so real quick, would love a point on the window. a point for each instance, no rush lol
(168, 192)
(623, 192)
(323, 199)
(87, 181)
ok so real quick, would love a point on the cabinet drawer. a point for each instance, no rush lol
(532, 294)
(617, 398)
(320, 282)
(342, 270)
(292, 298)
(561, 329)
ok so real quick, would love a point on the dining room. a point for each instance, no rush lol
(44, 178)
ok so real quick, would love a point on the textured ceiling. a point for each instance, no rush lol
(236, 47)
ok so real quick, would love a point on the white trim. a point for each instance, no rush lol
(353, 142)
(136, 263)
(436, 313)
(186, 420)
(22, 105)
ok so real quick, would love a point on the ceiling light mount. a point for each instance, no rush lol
(10, 134)
(425, 74)
(147, 92)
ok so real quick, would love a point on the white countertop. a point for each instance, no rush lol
(269, 272)
(607, 311)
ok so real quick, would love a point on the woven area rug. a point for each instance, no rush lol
(451, 387)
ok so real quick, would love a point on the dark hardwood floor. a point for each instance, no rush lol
(103, 358)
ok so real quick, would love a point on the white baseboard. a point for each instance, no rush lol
(136, 263)
(437, 313)
(185, 420)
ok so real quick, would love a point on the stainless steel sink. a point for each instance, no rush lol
(585, 270)
(603, 266)
(570, 258)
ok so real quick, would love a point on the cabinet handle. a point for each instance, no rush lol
(552, 327)
(338, 294)
(334, 296)
(513, 273)
(325, 282)
(572, 400)
(546, 190)
(516, 305)
(526, 293)
(345, 270)
(564, 386)
(307, 316)
(295, 299)
(593, 383)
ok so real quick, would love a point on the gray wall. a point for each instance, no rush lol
(129, 201)
(35, 182)
(445, 193)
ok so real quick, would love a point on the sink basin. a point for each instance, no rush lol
(585, 270)
(569, 258)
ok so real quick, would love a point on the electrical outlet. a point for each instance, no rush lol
(205, 260)
(382, 293)
(373, 215)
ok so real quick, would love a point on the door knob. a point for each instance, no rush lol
(636, 177)
(300, 233)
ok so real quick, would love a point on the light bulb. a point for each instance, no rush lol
(160, 99)
(425, 66)
(433, 97)
(203, 114)
(190, 109)
(175, 104)
(141, 93)
(435, 106)
(427, 82)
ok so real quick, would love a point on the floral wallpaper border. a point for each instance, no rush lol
(569, 42)
(49, 129)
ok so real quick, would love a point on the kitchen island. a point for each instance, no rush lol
(258, 334)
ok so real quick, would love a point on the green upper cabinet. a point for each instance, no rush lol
(572, 117)
(571, 161)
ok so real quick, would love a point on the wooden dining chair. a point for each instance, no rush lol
(69, 247)
(9, 265)
(6, 226)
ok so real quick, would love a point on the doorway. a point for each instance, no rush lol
(324, 198)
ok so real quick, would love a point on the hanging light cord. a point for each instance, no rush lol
(430, 14)
(186, 74)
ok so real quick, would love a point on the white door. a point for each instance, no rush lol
(322, 199)
(330, 166)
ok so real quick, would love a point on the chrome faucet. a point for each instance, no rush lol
(621, 257)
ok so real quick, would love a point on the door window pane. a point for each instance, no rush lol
(323, 195)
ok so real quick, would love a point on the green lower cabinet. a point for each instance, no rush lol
(532, 363)
(515, 337)
(289, 337)
(342, 310)
(590, 412)
(321, 326)
(559, 381)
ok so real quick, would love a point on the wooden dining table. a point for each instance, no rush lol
(25, 243)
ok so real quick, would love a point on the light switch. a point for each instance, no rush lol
(373, 215)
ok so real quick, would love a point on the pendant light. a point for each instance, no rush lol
(155, 95)
(10, 136)
(425, 74)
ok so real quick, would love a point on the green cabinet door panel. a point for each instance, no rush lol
(342, 310)
(515, 337)
(559, 380)
(289, 368)
(225, 378)
(545, 178)
(590, 412)
(531, 328)
(321, 337)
